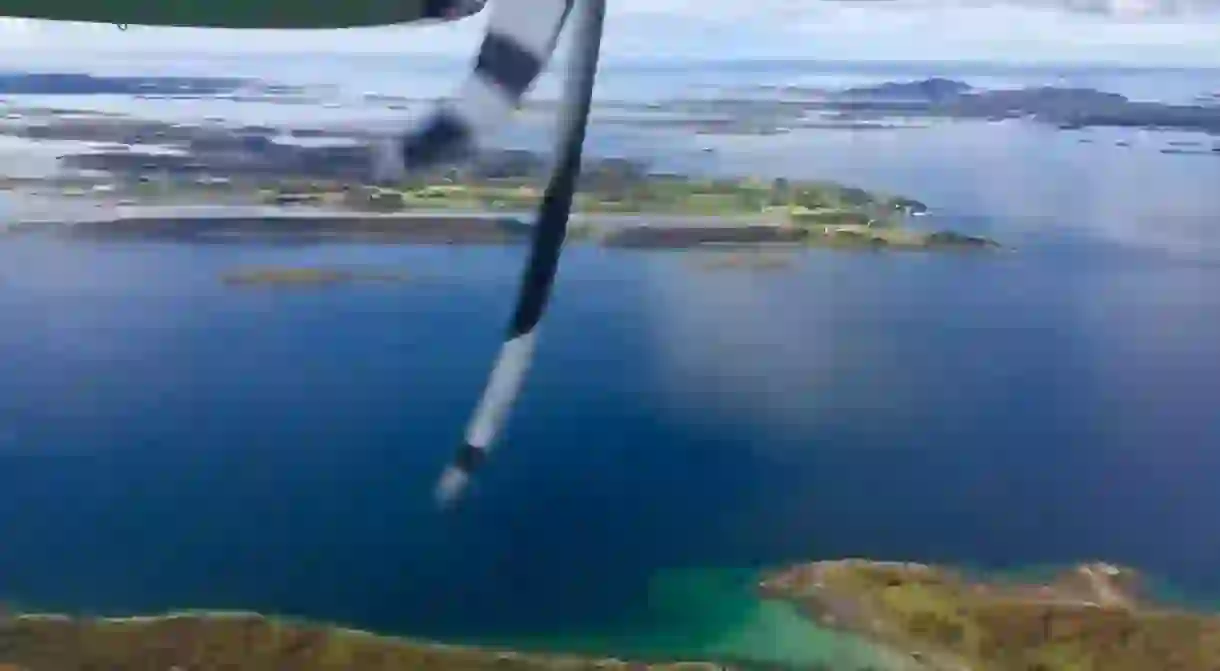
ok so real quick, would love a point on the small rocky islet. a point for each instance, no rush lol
(307, 277)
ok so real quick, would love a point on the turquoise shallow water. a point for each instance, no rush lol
(714, 614)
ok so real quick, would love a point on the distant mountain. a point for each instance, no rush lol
(1068, 108)
(936, 89)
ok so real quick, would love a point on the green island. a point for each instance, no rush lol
(605, 190)
(616, 206)
(711, 211)
(1090, 617)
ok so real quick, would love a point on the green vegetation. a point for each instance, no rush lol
(804, 202)
(250, 642)
(822, 214)
(452, 209)
(1090, 618)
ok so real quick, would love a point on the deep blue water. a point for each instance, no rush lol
(166, 441)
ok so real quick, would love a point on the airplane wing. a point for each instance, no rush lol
(280, 14)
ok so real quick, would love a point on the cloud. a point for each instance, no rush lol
(1023, 32)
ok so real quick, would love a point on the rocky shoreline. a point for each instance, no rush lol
(334, 228)
(419, 229)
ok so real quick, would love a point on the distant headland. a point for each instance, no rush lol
(1067, 108)
(72, 83)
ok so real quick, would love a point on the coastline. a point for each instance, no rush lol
(1093, 615)
(635, 231)
(713, 620)
(235, 639)
(838, 615)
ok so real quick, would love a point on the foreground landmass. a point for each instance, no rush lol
(1094, 617)
(251, 642)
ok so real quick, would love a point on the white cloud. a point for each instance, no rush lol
(1151, 31)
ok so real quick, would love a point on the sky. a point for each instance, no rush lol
(1132, 32)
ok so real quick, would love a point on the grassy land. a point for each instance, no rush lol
(812, 202)
(816, 214)
(1090, 618)
(250, 642)
(826, 214)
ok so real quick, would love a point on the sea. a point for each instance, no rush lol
(168, 442)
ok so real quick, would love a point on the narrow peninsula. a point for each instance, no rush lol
(620, 204)
(1091, 617)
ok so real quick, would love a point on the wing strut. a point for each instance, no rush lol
(550, 228)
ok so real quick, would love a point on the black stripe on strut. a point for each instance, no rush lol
(504, 61)
(451, 9)
(469, 458)
(437, 9)
(552, 222)
(547, 240)
(446, 136)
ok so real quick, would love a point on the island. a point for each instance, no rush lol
(271, 191)
(1095, 616)
(860, 107)
(147, 178)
